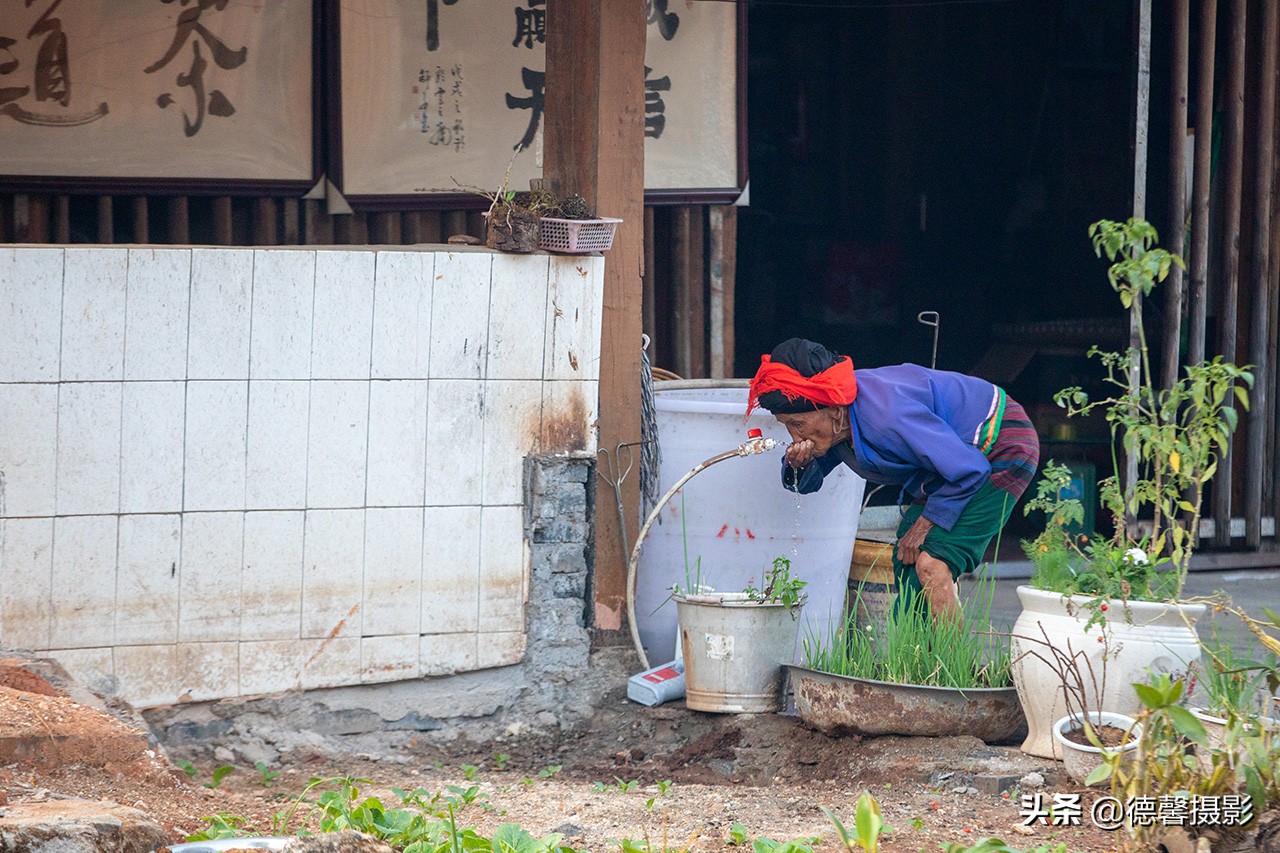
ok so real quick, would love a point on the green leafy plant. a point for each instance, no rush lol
(221, 825)
(868, 825)
(469, 771)
(267, 776)
(190, 769)
(1177, 435)
(912, 648)
(500, 761)
(738, 835)
(549, 772)
(219, 774)
(780, 586)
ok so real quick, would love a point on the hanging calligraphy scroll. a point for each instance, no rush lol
(435, 94)
(97, 95)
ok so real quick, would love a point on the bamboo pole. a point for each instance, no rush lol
(1170, 362)
(722, 228)
(1260, 309)
(1141, 123)
(1197, 302)
(1233, 145)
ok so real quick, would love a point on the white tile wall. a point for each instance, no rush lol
(270, 666)
(215, 445)
(26, 582)
(28, 448)
(146, 588)
(397, 462)
(203, 494)
(93, 304)
(446, 654)
(83, 598)
(205, 671)
(271, 579)
(460, 314)
(88, 475)
(451, 570)
(392, 599)
(517, 338)
(30, 314)
(157, 296)
(337, 444)
(276, 458)
(333, 573)
(391, 658)
(94, 668)
(503, 568)
(402, 314)
(221, 298)
(455, 411)
(147, 674)
(153, 421)
(512, 421)
(209, 576)
(283, 298)
(343, 329)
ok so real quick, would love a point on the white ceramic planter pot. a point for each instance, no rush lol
(1080, 760)
(1143, 638)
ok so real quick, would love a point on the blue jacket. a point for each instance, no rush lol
(915, 428)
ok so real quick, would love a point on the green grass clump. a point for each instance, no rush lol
(913, 648)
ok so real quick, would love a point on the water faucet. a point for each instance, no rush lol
(756, 443)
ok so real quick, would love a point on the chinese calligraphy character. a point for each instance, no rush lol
(1142, 811)
(1237, 809)
(189, 24)
(1066, 810)
(1174, 811)
(1031, 809)
(1206, 811)
(531, 24)
(668, 22)
(535, 82)
(51, 75)
(433, 22)
(655, 120)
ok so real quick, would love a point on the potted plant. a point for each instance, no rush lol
(1233, 690)
(1131, 582)
(734, 644)
(1086, 734)
(910, 675)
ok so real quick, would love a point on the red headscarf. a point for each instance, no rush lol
(834, 386)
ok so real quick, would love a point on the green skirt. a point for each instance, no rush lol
(963, 546)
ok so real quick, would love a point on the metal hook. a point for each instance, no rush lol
(932, 321)
(615, 478)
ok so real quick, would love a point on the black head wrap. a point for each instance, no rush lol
(804, 357)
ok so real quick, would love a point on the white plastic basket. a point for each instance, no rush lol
(577, 235)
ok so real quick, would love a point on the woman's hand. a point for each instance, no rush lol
(800, 454)
(910, 543)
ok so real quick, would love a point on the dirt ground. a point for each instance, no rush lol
(767, 772)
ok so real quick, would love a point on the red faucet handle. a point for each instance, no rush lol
(754, 433)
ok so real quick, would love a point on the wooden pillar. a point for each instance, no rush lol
(317, 225)
(106, 220)
(1171, 363)
(292, 231)
(594, 146)
(62, 219)
(179, 220)
(722, 268)
(141, 231)
(1260, 308)
(222, 230)
(265, 232)
(386, 229)
(455, 222)
(1197, 299)
(1233, 178)
(31, 219)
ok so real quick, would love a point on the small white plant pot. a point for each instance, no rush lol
(1080, 760)
(1216, 728)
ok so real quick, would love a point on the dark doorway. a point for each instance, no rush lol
(940, 157)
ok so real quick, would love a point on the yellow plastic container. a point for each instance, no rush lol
(871, 585)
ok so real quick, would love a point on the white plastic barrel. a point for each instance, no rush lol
(734, 518)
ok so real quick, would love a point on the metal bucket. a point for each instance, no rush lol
(734, 650)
